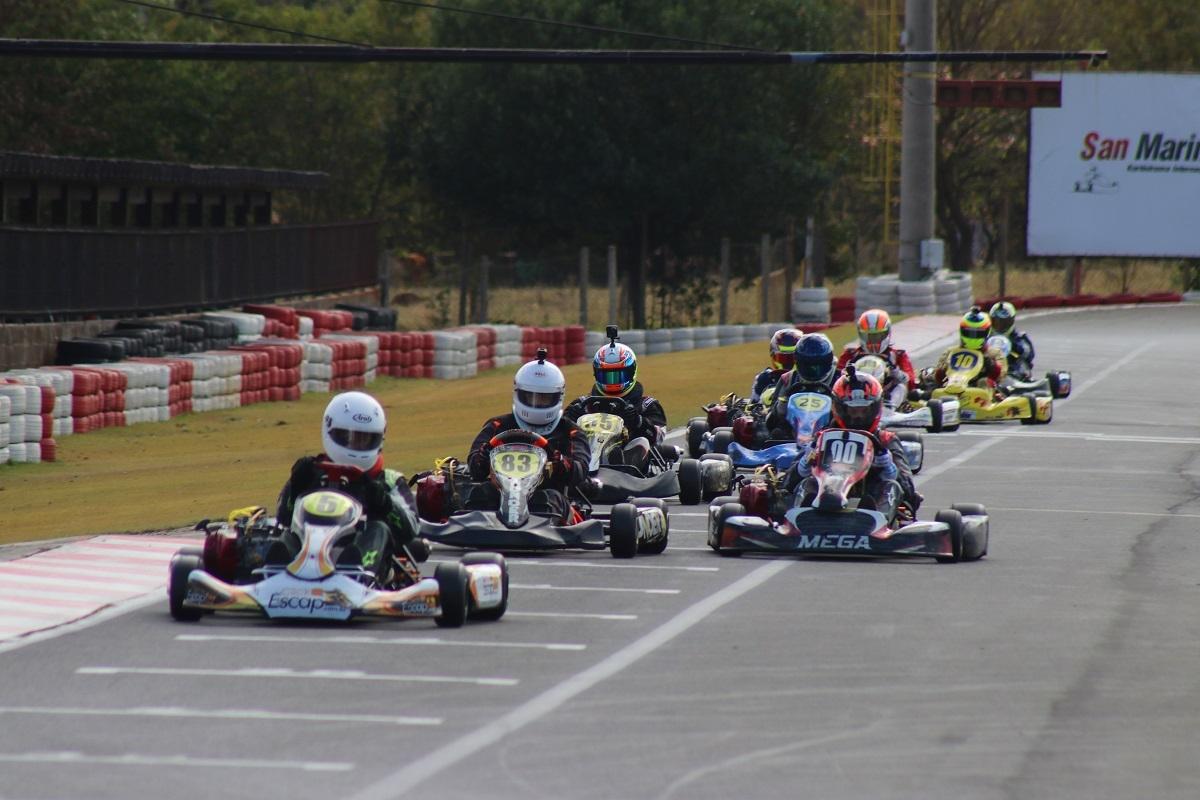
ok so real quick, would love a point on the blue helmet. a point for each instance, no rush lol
(814, 359)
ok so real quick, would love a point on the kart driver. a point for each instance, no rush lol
(783, 357)
(1020, 359)
(352, 433)
(813, 371)
(973, 332)
(858, 405)
(875, 338)
(538, 389)
(615, 369)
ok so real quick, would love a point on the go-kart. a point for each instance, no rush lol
(828, 522)
(312, 570)
(650, 474)
(981, 403)
(1019, 376)
(713, 432)
(935, 415)
(518, 462)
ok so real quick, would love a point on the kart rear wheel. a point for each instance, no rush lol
(954, 520)
(496, 612)
(182, 565)
(914, 436)
(935, 415)
(696, 428)
(690, 483)
(727, 510)
(973, 548)
(1057, 387)
(969, 509)
(722, 438)
(654, 548)
(622, 530)
(453, 594)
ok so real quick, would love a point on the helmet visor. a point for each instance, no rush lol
(859, 413)
(1002, 324)
(361, 441)
(813, 370)
(783, 360)
(538, 399)
(615, 378)
(873, 341)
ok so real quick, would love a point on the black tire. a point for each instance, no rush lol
(935, 415)
(1056, 386)
(622, 530)
(914, 436)
(722, 438)
(496, 612)
(182, 565)
(970, 509)
(709, 494)
(727, 510)
(654, 548)
(696, 428)
(453, 594)
(955, 521)
(690, 484)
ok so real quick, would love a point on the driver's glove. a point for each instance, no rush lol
(885, 463)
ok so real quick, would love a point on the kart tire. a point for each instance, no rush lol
(655, 548)
(1056, 387)
(709, 494)
(496, 612)
(973, 549)
(182, 565)
(622, 530)
(913, 436)
(690, 483)
(722, 438)
(727, 510)
(970, 509)
(954, 520)
(935, 415)
(453, 594)
(696, 428)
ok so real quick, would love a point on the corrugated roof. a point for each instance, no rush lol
(155, 173)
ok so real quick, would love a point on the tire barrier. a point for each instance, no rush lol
(5, 416)
(348, 360)
(370, 318)
(943, 293)
(1076, 300)
(810, 304)
(324, 322)
(455, 354)
(216, 380)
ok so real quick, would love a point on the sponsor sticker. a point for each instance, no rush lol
(311, 602)
(834, 541)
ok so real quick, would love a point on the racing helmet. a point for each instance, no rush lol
(814, 359)
(974, 329)
(857, 401)
(875, 330)
(615, 368)
(783, 348)
(353, 430)
(538, 389)
(1003, 316)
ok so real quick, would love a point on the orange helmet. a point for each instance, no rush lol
(875, 330)
(857, 401)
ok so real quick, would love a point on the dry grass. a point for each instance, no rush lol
(172, 474)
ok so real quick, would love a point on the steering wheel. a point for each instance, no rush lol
(607, 405)
(518, 436)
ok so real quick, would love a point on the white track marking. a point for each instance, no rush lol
(553, 588)
(700, 513)
(406, 778)
(1094, 511)
(232, 714)
(404, 641)
(116, 610)
(1086, 436)
(610, 565)
(99, 586)
(1104, 373)
(568, 615)
(66, 758)
(286, 673)
(964, 456)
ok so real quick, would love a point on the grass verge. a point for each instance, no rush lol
(172, 474)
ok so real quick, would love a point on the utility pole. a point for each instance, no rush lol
(917, 139)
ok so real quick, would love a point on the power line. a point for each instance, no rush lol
(572, 25)
(242, 23)
(239, 51)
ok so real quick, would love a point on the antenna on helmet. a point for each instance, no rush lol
(541, 355)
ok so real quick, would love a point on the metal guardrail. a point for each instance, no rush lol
(61, 273)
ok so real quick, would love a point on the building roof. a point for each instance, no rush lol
(31, 166)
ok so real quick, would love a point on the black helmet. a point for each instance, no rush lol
(814, 358)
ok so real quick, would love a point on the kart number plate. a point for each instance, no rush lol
(516, 463)
(964, 360)
(809, 402)
(601, 423)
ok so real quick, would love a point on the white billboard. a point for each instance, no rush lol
(1116, 170)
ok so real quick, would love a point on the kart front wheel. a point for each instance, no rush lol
(954, 520)
(726, 511)
(722, 438)
(622, 530)
(181, 567)
(495, 612)
(935, 415)
(696, 429)
(690, 483)
(657, 547)
(451, 579)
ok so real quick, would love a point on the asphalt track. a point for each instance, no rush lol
(1064, 665)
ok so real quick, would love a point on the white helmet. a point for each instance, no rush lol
(353, 430)
(538, 390)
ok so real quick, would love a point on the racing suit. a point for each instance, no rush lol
(764, 380)
(569, 457)
(1020, 358)
(644, 419)
(902, 376)
(890, 465)
(392, 526)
